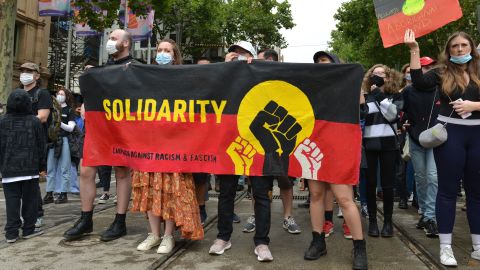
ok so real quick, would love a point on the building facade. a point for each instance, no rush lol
(31, 40)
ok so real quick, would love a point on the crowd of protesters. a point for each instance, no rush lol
(395, 109)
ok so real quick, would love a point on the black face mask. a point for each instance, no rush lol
(377, 80)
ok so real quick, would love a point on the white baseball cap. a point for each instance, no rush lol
(244, 45)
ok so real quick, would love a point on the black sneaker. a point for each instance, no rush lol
(402, 204)
(104, 198)
(48, 198)
(236, 219)
(431, 229)
(62, 198)
(421, 223)
(35, 232)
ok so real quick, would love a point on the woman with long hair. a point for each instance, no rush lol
(167, 197)
(382, 104)
(458, 81)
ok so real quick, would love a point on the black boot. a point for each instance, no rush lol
(62, 198)
(402, 204)
(317, 247)
(373, 228)
(116, 230)
(83, 226)
(48, 198)
(387, 230)
(359, 255)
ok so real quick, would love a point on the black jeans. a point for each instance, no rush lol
(226, 200)
(39, 200)
(21, 196)
(105, 175)
(387, 161)
(261, 188)
(401, 178)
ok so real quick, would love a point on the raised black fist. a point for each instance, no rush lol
(276, 131)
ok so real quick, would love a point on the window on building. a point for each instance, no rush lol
(17, 37)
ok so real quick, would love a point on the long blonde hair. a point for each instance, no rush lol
(393, 84)
(452, 74)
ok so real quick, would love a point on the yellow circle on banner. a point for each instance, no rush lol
(285, 95)
(413, 7)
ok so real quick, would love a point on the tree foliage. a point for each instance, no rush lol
(202, 22)
(357, 38)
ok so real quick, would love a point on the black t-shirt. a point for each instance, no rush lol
(41, 101)
(67, 115)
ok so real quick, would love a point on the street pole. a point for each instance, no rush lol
(69, 54)
(100, 50)
(149, 50)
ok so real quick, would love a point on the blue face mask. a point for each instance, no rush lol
(164, 58)
(408, 77)
(460, 60)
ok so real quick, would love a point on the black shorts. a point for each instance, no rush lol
(285, 182)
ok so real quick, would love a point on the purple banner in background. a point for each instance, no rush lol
(53, 7)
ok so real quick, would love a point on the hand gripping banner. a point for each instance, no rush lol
(263, 118)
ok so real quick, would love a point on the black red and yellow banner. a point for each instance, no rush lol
(423, 16)
(263, 118)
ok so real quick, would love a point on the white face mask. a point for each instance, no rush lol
(111, 46)
(26, 78)
(61, 99)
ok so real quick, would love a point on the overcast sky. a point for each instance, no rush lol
(314, 22)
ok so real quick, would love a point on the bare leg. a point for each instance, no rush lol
(155, 223)
(88, 191)
(344, 195)
(124, 187)
(169, 227)
(287, 200)
(317, 207)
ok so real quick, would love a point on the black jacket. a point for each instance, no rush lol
(417, 106)
(22, 138)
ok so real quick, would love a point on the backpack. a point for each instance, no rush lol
(55, 117)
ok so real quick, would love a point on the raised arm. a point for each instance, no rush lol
(420, 81)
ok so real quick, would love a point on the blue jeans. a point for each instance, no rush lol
(63, 163)
(425, 178)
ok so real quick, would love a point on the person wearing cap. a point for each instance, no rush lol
(22, 158)
(321, 206)
(285, 183)
(118, 47)
(41, 106)
(243, 51)
(421, 109)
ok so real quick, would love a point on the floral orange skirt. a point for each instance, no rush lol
(171, 196)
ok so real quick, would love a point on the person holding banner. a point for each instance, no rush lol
(168, 197)
(118, 47)
(320, 201)
(243, 51)
(458, 80)
(383, 102)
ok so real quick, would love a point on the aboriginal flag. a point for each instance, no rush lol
(423, 16)
(264, 118)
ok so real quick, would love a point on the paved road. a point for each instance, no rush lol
(409, 250)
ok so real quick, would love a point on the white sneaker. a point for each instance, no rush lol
(39, 222)
(263, 253)
(219, 246)
(476, 254)
(340, 214)
(151, 241)
(446, 256)
(167, 244)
